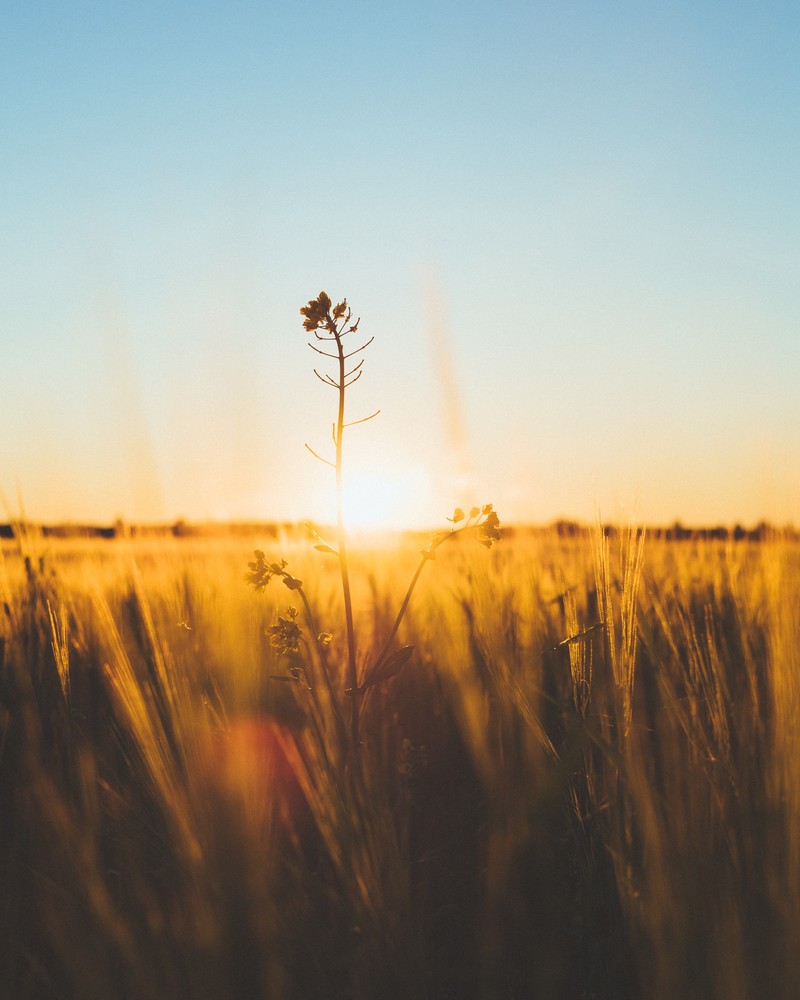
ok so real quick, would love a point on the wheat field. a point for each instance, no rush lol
(583, 784)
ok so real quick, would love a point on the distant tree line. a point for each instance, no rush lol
(122, 529)
(181, 528)
(680, 533)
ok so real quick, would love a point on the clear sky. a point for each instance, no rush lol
(572, 227)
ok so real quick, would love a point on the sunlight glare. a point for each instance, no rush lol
(378, 500)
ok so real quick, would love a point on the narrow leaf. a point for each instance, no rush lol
(326, 548)
(389, 667)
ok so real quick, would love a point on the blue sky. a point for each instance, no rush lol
(574, 230)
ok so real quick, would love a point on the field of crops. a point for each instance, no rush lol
(584, 783)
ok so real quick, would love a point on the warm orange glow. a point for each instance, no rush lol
(384, 499)
(253, 768)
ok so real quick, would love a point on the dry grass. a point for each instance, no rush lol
(617, 816)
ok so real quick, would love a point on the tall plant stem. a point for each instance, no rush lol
(403, 607)
(427, 556)
(352, 673)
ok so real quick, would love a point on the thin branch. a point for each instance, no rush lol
(326, 379)
(352, 380)
(326, 353)
(349, 329)
(363, 420)
(325, 460)
(354, 370)
(363, 346)
(578, 637)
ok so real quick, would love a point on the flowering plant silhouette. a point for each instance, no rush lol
(330, 326)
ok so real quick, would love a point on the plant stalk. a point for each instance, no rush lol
(426, 558)
(352, 672)
(400, 614)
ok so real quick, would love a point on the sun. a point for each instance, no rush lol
(380, 500)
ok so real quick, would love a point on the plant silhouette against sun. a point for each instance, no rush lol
(331, 325)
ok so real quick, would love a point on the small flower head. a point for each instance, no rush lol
(319, 314)
(489, 530)
(261, 571)
(286, 634)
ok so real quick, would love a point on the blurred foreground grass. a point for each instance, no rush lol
(614, 816)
